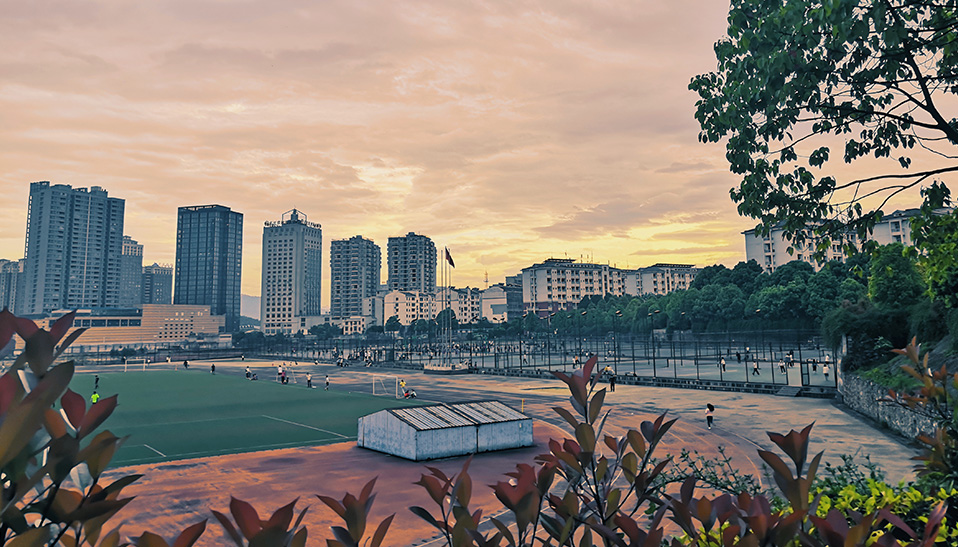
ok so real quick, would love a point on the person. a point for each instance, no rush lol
(95, 397)
(186, 364)
(327, 382)
(212, 368)
(402, 384)
(722, 363)
(612, 382)
(709, 412)
(755, 369)
(309, 380)
(282, 378)
(96, 382)
(248, 374)
(825, 369)
(781, 365)
(738, 356)
(255, 377)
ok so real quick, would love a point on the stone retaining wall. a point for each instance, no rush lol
(862, 396)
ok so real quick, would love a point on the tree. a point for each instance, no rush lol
(893, 280)
(795, 78)
(446, 319)
(392, 324)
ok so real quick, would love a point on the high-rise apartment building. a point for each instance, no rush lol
(11, 280)
(209, 260)
(354, 271)
(411, 263)
(292, 273)
(131, 273)
(73, 246)
(157, 284)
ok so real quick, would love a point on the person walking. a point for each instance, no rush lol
(722, 363)
(212, 368)
(612, 383)
(327, 382)
(709, 413)
(755, 370)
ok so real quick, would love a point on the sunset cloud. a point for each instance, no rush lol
(510, 132)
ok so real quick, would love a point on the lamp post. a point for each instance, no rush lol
(615, 342)
(648, 347)
(579, 340)
(550, 339)
(521, 333)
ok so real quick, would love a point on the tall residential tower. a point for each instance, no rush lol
(157, 284)
(209, 260)
(131, 273)
(354, 271)
(292, 273)
(411, 263)
(73, 247)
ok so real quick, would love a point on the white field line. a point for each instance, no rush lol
(304, 425)
(155, 450)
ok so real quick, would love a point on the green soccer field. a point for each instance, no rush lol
(189, 414)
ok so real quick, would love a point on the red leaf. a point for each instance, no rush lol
(74, 407)
(62, 325)
(246, 517)
(97, 414)
(8, 326)
(10, 387)
(189, 536)
(282, 517)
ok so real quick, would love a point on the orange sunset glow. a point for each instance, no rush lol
(509, 132)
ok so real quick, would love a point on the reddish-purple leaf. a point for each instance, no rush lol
(61, 326)
(381, 530)
(246, 517)
(97, 414)
(282, 517)
(75, 408)
(228, 526)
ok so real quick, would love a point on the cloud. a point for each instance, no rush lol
(509, 131)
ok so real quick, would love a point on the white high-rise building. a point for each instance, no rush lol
(292, 273)
(73, 247)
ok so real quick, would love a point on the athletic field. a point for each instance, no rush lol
(173, 415)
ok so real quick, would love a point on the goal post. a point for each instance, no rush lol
(134, 361)
(386, 385)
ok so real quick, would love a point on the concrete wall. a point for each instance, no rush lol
(503, 435)
(445, 443)
(862, 396)
(383, 432)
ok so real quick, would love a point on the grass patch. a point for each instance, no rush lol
(173, 415)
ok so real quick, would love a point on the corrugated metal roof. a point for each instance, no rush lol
(444, 416)
(489, 412)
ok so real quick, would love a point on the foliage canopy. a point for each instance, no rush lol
(798, 78)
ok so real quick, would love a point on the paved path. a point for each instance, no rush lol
(176, 494)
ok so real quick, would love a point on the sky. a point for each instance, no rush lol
(509, 132)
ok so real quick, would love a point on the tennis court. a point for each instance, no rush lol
(172, 415)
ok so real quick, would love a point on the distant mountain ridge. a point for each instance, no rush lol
(249, 306)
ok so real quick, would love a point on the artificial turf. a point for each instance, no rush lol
(173, 415)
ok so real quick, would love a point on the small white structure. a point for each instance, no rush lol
(445, 430)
